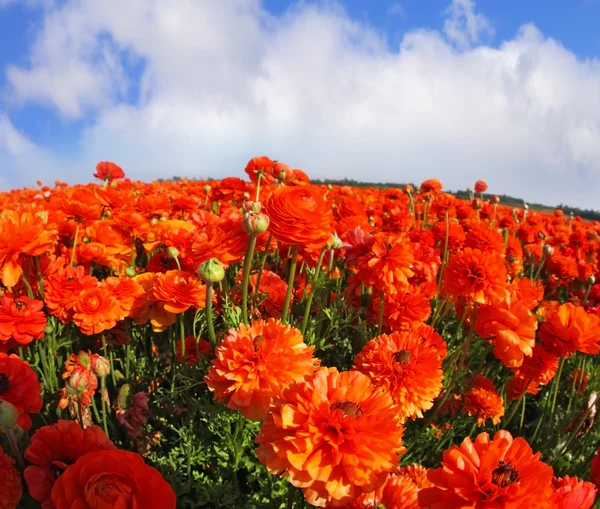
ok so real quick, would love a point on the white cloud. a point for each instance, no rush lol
(224, 81)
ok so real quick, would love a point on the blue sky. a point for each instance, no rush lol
(506, 91)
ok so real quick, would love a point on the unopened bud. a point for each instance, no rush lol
(173, 252)
(255, 224)
(49, 328)
(246, 195)
(282, 172)
(211, 271)
(252, 206)
(207, 188)
(79, 380)
(334, 242)
(130, 272)
(9, 416)
(100, 366)
(476, 204)
(548, 250)
(591, 279)
(153, 221)
(495, 199)
(84, 359)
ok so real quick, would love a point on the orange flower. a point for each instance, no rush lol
(11, 489)
(398, 492)
(476, 275)
(387, 266)
(571, 493)
(23, 234)
(21, 319)
(402, 309)
(563, 267)
(500, 473)
(484, 401)
(481, 186)
(595, 469)
(96, 310)
(433, 185)
(52, 449)
(299, 216)
(334, 434)
(112, 478)
(81, 380)
(62, 288)
(511, 326)
(417, 474)
(254, 364)
(409, 368)
(178, 290)
(126, 291)
(571, 329)
(274, 289)
(19, 386)
(262, 166)
(106, 170)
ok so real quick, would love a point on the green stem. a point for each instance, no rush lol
(290, 288)
(380, 314)
(556, 384)
(104, 391)
(36, 263)
(246, 276)
(209, 317)
(182, 336)
(313, 290)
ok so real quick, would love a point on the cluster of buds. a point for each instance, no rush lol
(81, 375)
(255, 221)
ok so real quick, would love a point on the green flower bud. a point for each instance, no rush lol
(211, 271)
(130, 272)
(255, 224)
(9, 416)
(173, 252)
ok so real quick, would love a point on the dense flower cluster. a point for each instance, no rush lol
(182, 343)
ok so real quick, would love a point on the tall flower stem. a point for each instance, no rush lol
(209, 317)
(380, 314)
(290, 283)
(313, 289)
(102, 397)
(74, 247)
(246, 276)
(182, 335)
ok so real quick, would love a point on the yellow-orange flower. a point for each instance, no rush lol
(484, 401)
(335, 434)
(254, 364)
(178, 290)
(96, 310)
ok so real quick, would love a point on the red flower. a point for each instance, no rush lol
(21, 319)
(112, 479)
(52, 449)
(571, 493)
(11, 488)
(19, 386)
(105, 170)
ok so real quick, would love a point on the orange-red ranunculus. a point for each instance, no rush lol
(21, 319)
(112, 479)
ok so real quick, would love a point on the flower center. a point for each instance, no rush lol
(108, 490)
(258, 340)
(504, 475)
(4, 382)
(349, 408)
(20, 305)
(402, 356)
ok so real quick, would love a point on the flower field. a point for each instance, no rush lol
(271, 343)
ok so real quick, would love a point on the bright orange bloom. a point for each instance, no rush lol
(484, 401)
(387, 266)
(334, 434)
(52, 449)
(409, 368)
(274, 289)
(571, 329)
(417, 474)
(299, 216)
(398, 492)
(512, 329)
(262, 166)
(571, 493)
(22, 234)
(19, 386)
(563, 267)
(528, 292)
(225, 240)
(11, 489)
(126, 291)
(476, 275)
(481, 186)
(402, 309)
(254, 364)
(21, 319)
(178, 290)
(499, 473)
(96, 310)
(106, 170)
(112, 478)
(63, 287)
(433, 185)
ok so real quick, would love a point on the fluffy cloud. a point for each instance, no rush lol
(216, 83)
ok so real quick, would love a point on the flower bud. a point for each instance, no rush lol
(282, 172)
(130, 272)
(9, 416)
(548, 250)
(495, 199)
(246, 195)
(408, 189)
(211, 271)
(173, 252)
(80, 380)
(85, 359)
(207, 188)
(255, 224)
(100, 365)
(252, 206)
(49, 328)
(591, 279)
(476, 203)
(334, 242)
